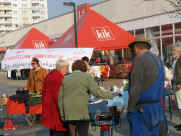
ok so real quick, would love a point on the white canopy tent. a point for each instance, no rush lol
(21, 58)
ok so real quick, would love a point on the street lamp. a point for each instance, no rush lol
(72, 4)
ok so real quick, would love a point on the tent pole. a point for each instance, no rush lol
(75, 26)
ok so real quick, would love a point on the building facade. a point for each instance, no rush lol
(15, 14)
(152, 19)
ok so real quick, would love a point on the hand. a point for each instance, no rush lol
(62, 118)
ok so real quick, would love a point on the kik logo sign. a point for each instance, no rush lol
(103, 33)
(39, 44)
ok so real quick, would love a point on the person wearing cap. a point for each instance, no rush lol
(146, 89)
(177, 76)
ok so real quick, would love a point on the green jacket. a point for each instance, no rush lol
(74, 95)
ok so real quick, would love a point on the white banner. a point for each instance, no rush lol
(21, 58)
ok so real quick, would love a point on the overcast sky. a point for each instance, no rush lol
(55, 7)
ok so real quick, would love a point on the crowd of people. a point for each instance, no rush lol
(65, 98)
(66, 95)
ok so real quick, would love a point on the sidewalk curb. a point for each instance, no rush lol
(27, 132)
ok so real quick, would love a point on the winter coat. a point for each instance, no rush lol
(36, 79)
(50, 114)
(74, 95)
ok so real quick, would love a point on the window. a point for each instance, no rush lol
(35, 4)
(15, 12)
(36, 17)
(1, 19)
(24, 12)
(15, 18)
(36, 11)
(15, 5)
(24, 6)
(8, 26)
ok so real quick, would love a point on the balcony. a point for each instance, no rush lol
(7, 15)
(35, 1)
(6, 22)
(8, 1)
(35, 14)
(5, 2)
(3, 7)
(35, 20)
(6, 29)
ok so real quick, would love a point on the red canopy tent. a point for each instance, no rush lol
(3, 49)
(95, 31)
(34, 39)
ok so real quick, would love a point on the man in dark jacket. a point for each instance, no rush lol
(177, 76)
(145, 91)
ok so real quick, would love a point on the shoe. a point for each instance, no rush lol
(177, 126)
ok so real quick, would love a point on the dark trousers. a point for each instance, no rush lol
(58, 133)
(78, 128)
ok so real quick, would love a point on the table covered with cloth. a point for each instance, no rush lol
(24, 104)
(105, 109)
(104, 104)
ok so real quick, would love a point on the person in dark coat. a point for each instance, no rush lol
(50, 114)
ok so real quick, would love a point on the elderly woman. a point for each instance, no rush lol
(73, 98)
(50, 115)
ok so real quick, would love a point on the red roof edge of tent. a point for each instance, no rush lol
(68, 36)
(33, 39)
(118, 38)
(3, 49)
(95, 31)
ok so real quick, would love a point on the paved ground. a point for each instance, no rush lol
(9, 87)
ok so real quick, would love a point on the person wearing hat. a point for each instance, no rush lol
(146, 82)
(177, 76)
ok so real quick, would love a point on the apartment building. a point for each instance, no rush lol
(153, 19)
(16, 14)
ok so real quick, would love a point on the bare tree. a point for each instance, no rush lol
(176, 4)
